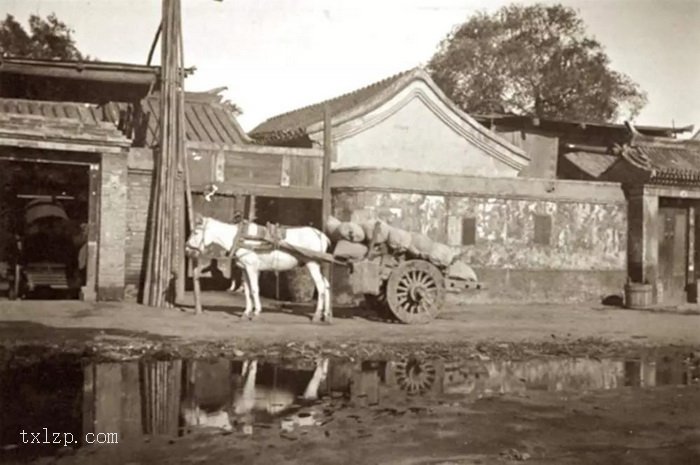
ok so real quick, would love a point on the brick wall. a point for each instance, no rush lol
(528, 240)
(113, 201)
(138, 184)
(137, 209)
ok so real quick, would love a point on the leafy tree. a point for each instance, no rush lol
(47, 39)
(533, 60)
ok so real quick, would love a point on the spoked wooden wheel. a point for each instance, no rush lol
(415, 291)
(415, 376)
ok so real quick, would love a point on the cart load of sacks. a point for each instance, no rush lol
(352, 241)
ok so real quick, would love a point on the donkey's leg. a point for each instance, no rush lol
(254, 276)
(247, 399)
(327, 313)
(315, 271)
(320, 374)
(248, 298)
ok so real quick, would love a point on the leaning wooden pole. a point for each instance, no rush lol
(163, 224)
(185, 167)
(326, 193)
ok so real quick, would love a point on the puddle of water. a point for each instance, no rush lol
(138, 399)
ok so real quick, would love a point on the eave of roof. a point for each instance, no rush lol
(530, 121)
(84, 70)
(667, 161)
(101, 71)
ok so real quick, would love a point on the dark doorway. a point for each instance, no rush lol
(288, 211)
(44, 227)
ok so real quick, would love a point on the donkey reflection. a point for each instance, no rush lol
(273, 399)
(243, 391)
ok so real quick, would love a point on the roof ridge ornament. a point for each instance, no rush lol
(634, 156)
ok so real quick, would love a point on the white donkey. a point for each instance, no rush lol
(208, 231)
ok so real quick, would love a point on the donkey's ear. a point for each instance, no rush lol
(198, 219)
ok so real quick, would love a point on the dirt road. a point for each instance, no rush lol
(37, 320)
(121, 330)
(626, 425)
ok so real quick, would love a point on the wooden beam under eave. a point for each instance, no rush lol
(256, 149)
(263, 191)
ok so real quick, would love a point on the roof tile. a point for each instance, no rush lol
(207, 118)
(668, 161)
(292, 125)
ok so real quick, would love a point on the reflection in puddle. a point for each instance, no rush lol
(222, 393)
(143, 398)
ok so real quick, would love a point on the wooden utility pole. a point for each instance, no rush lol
(326, 191)
(164, 241)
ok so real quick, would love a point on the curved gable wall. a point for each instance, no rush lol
(416, 131)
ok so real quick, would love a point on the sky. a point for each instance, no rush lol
(278, 55)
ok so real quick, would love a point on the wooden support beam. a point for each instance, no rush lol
(256, 149)
(262, 191)
(326, 196)
(251, 208)
(89, 290)
(196, 268)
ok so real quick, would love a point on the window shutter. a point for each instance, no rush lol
(468, 231)
(543, 229)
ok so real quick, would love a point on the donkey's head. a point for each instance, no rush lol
(198, 241)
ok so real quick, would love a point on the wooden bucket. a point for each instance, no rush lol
(638, 295)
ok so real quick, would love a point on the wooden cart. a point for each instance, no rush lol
(42, 259)
(399, 286)
(410, 290)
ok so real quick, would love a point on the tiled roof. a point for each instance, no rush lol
(39, 127)
(208, 119)
(292, 125)
(86, 113)
(667, 161)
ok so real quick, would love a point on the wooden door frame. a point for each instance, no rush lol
(89, 290)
